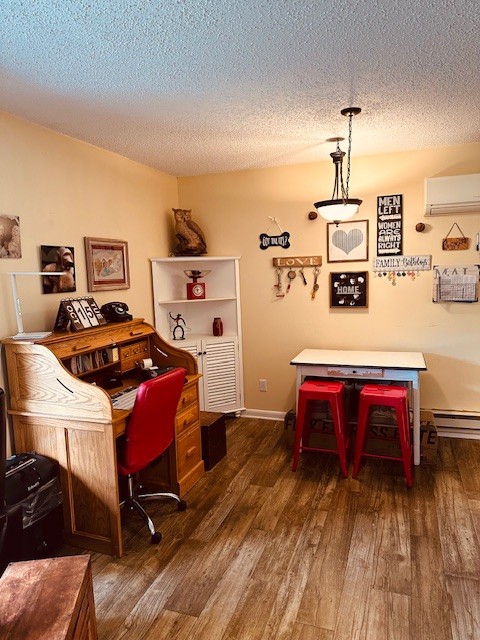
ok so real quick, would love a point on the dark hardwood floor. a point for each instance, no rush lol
(264, 553)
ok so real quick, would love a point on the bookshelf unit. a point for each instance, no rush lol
(219, 358)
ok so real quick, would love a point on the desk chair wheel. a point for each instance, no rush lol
(181, 505)
(155, 539)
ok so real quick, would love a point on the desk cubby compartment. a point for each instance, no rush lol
(131, 355)
(87, 363)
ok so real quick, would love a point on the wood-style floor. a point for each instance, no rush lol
(262, 552)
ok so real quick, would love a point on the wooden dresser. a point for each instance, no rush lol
(60, 408)
(49, 599)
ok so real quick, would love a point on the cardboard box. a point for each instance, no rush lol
(382, 436)
(428, 438)
(322, 435)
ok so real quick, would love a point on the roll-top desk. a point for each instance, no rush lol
(60, 408)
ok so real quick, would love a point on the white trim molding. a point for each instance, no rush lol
(455, 424)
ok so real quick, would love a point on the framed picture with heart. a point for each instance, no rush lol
(347, 241)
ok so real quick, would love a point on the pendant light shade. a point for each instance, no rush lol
(340, 207)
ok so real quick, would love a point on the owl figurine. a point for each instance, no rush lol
(191, 240)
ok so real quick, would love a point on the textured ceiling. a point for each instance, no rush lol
(205, 86)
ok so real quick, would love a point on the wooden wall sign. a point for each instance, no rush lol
(79, 313)
(403, 263)
(306, 261)
(349, 289)
(390, 225)
(450, 243)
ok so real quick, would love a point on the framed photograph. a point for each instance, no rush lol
(107, 264)
(347, 241)
(60, 260)
(10, 243)
(349, 289)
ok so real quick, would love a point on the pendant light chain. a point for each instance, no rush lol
(350, 117)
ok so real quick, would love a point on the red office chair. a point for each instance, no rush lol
(150, 431)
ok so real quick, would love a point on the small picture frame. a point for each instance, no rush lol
(107, 264)
(347, 241)
(58, 260)
(349, 289)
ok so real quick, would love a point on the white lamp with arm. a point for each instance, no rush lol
(22, 335)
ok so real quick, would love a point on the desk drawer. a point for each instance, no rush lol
(186, 419)
(189, 452)
(132, 354)
(355, 372)
(188, 397)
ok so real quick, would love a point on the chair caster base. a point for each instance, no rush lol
(181, 505)
(155, 539)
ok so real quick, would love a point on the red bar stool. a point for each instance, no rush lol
(331, 392)
(387, 396)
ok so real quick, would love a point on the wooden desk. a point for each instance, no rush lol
(69, 417)
(393, 366)
(49, 599)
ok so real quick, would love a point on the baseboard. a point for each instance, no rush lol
(457, 425)
(450, 424)
(263, 415)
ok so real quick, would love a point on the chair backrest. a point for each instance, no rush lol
(151, 426)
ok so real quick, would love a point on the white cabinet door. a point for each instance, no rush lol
(221, 383)
(219, 364)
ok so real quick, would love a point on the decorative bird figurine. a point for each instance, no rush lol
(191, 239)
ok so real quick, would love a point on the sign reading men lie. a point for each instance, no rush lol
(390, 225)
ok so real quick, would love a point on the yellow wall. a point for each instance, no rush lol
(64, 190)
(234, 208)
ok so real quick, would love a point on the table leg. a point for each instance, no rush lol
(416, 420)
(298, 384)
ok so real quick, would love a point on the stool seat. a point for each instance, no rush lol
(385, 396)
(333, 393)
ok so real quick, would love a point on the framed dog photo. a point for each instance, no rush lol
(57, 259)
(347, 241)
(349, 289)
(107, 264)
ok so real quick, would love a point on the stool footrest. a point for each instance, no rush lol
(381, 456)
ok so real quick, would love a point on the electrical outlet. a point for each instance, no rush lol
(262, 384)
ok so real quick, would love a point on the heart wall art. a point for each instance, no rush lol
(347, 241)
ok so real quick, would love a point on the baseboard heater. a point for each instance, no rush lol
(457, 425)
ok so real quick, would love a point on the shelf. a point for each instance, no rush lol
(192, 337)
(184, 300)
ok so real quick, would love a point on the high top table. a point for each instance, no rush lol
(391, 366)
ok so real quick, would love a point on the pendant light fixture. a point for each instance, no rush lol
(340, 207)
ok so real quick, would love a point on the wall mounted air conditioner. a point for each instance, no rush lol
(452, 195)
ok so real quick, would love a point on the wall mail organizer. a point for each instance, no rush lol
(455, 283)
(79, 314)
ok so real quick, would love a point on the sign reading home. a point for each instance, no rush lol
(390, 225)
(349, 289)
